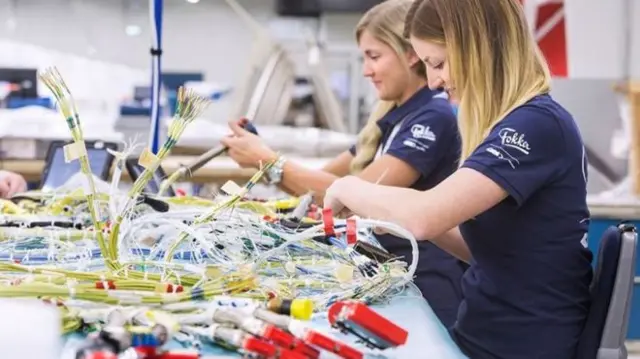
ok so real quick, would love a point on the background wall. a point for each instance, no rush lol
(603, 45)
(603, 38)
(207, 36)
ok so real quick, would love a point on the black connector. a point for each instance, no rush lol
(372, 252)
(156, 204)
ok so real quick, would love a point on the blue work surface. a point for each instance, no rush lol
(427, 336)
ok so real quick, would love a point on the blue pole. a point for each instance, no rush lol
(155, 11)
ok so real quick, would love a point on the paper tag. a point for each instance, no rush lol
(147, 158)
(290, 267)
(73, 151)
(232, 188)
(344, 273)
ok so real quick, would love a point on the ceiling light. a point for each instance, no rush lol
(193, 1)
(132, 30)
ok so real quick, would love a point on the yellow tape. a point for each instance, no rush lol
(73, 151)
(147, 158)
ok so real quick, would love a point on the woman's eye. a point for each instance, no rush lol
(439, 66)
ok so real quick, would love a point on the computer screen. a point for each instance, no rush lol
(24, 79)
(58, 171)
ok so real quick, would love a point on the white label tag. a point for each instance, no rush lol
(73, 151)
(147, 158)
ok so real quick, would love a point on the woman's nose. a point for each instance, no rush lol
(367, 71)
(435, 83)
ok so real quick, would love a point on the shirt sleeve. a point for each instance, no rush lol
(524, 152)
(424, 139)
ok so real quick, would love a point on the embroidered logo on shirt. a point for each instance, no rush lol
(410, 142)
(513, 139)
(420, 132)
(502, 154)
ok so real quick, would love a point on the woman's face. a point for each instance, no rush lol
(434, 57)
(382, 65)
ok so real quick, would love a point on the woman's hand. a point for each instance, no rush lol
(247, 149)
(11, 183)
(335, 193)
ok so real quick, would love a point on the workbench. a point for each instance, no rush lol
(427, 335)
(219, 170)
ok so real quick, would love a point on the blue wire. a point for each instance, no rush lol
(156, 75)
(95, 254)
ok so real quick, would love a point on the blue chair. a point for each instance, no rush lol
(606, 327)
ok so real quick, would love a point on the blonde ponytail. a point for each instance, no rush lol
(369, 137)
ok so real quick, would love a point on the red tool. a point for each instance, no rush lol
(331, 345)
(360, 320)
(287, 341)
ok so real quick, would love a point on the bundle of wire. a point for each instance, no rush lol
(114, 251)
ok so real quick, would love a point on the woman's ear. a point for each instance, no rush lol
(412, 58)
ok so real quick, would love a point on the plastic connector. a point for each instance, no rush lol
(327, 219)
(260, 347)
(352, 231)
(332, 345)
(360, 320)
(297, 308)
(177, 355)
(97, 355)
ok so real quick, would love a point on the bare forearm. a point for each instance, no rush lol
(392, 204)
(298, 180)
(453, 243)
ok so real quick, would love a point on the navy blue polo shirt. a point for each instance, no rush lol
(423, 132)
(526, 294)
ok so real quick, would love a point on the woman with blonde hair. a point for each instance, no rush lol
(517, 204)
(411, 140)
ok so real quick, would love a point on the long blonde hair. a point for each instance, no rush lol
(494, 62)
(385, 22)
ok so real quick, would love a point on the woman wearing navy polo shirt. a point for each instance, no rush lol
(517, 203)
(411, 140)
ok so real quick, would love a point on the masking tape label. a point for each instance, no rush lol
(73, 151)
(147, 158)
(232, 188)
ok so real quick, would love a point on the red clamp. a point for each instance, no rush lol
(260, 347)
(352, 235)
(374, 329)
(313, 211)
(331, 345)
(174, 355)
(327, 219)
(101, 355)
(287, 341)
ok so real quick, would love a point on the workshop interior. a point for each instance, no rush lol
(138, 235)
